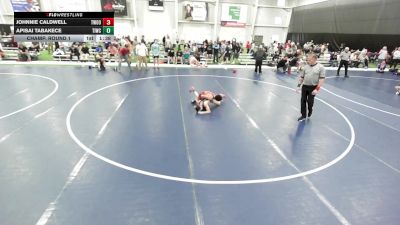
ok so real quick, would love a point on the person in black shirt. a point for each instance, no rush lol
(74, 52)
(85, 53)
(259, 56)
(282, 65)
(227, 55)
(216, 47)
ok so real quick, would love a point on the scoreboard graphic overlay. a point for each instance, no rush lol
(64, 26)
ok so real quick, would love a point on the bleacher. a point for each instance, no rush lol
(247, 59)
(10, 53)
(92, 54)
(325, 59)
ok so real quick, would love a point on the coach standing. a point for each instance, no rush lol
(312, 78)
(344, 60)
(259, 56)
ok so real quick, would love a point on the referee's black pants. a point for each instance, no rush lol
(346, 65)
(307, 99)
(258, 66)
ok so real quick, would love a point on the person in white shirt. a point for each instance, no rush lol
(396, 57)
(363, 57)
(142, 53)
(382, 54)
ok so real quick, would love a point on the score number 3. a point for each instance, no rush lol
(108, 21)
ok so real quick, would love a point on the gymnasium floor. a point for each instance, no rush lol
(81, 147)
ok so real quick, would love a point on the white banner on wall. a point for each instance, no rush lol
(196, 11)
(234, 13)
(156, 5)
(72, 6)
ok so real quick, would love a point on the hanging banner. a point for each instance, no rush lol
(234, 14)
(25, 5)
(117, 6)
(232, 24)
(195, 11)
(156, 5)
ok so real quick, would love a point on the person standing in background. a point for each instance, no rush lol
(216, 52)
(142, 52)
(155, 51)
(259, 56)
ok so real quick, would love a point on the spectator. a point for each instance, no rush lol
(85, 53)
(113, 50)
(227, 54)
(171, 56)
(259, 56)
(396, 57)
(248, 46)
(124, 55)
(195, 62)
(186, 55)
(74, 52)
(363, 57)
(216, 51)
(23, 53)
(282, 65)
(142, 53)
(382, 55)
(58, 52)
(155, 51)
(179, 54)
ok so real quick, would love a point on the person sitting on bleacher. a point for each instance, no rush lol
(282, 65)
(58, 52)
(99, 49)
(23, 53)
(354, 61)
(85, 53)
(363, 57)
(194, 60)
(381, 67)
(74, 52)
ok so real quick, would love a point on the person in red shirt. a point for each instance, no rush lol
(203, 99)
(124, 54)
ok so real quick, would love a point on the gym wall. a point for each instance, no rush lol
(367, 23)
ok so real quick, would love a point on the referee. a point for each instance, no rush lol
(344, 60)
(312, 78)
